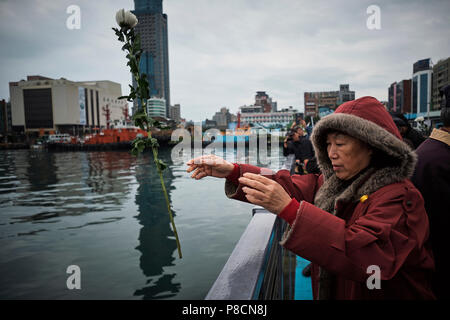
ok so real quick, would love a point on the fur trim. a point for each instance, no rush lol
(368, 132)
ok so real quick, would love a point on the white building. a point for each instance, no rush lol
(421, 86)
(268, 118)
(156, 107)
(60, 105)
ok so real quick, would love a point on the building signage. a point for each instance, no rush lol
(82, 103)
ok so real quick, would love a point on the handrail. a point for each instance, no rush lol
(259, 268)
(241, 275)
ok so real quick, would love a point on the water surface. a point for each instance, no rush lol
(105, 212)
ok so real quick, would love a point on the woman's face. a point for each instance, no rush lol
(348, 155)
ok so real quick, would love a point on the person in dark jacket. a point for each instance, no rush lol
(362, 213)
(289, 143)
(298, 143)
(410, 135)
(432, 178)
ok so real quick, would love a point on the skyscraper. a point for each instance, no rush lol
(152, 28)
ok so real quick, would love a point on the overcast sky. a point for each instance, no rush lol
(222, 52)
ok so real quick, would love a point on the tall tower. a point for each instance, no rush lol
(152, 28)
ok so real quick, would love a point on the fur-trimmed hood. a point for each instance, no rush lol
(367, 120)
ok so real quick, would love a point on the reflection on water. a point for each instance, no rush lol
(156, 239)
(106, 213)
(48, 186)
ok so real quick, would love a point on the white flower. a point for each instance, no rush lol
(126, 19)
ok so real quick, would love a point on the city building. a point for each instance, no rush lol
(399, 96)
(156, 107)
(5, 120)
(421, 86)
(251, 109)
(268, 118)
(441, 78)
(152, 28)
(326, 99)
(209, 124)
(222, 118)
(289, 109)
(345, 94)
(44, 104)
(175, 113)
(263, 100)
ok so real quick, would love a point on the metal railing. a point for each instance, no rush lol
(258, 268)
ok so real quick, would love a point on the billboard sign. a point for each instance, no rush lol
(82, 103)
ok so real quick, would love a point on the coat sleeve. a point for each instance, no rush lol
(300, 187)
(394, 225)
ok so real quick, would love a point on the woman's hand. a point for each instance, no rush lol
(209, 165)
(264, 192)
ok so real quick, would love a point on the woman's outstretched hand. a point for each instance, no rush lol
(209, 165)
(264, 192)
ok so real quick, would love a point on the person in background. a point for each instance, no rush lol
(289, 143)
(432, 178)
(410, 135)
(305, 151)
(296, 142)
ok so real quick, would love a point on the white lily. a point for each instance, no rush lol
(126, 19)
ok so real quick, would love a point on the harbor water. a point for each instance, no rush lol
(105, 213)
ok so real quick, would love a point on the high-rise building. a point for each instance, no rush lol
(175, 112)
(441, 78)
(152, 28)
(156, 107)
(421, 86)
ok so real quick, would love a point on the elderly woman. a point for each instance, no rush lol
(362, 211)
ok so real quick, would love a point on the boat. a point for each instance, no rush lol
(118, 134)
(117, 137)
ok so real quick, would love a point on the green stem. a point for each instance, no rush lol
(172, 221)
(154, 149)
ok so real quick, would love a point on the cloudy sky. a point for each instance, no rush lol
(222, 52)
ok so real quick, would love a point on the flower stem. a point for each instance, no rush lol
(172, 221)
(142, 96)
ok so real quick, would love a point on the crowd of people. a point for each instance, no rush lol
(379, 195)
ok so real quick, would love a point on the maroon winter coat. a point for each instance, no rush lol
(388, 228)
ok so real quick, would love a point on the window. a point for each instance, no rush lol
(424, 92)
